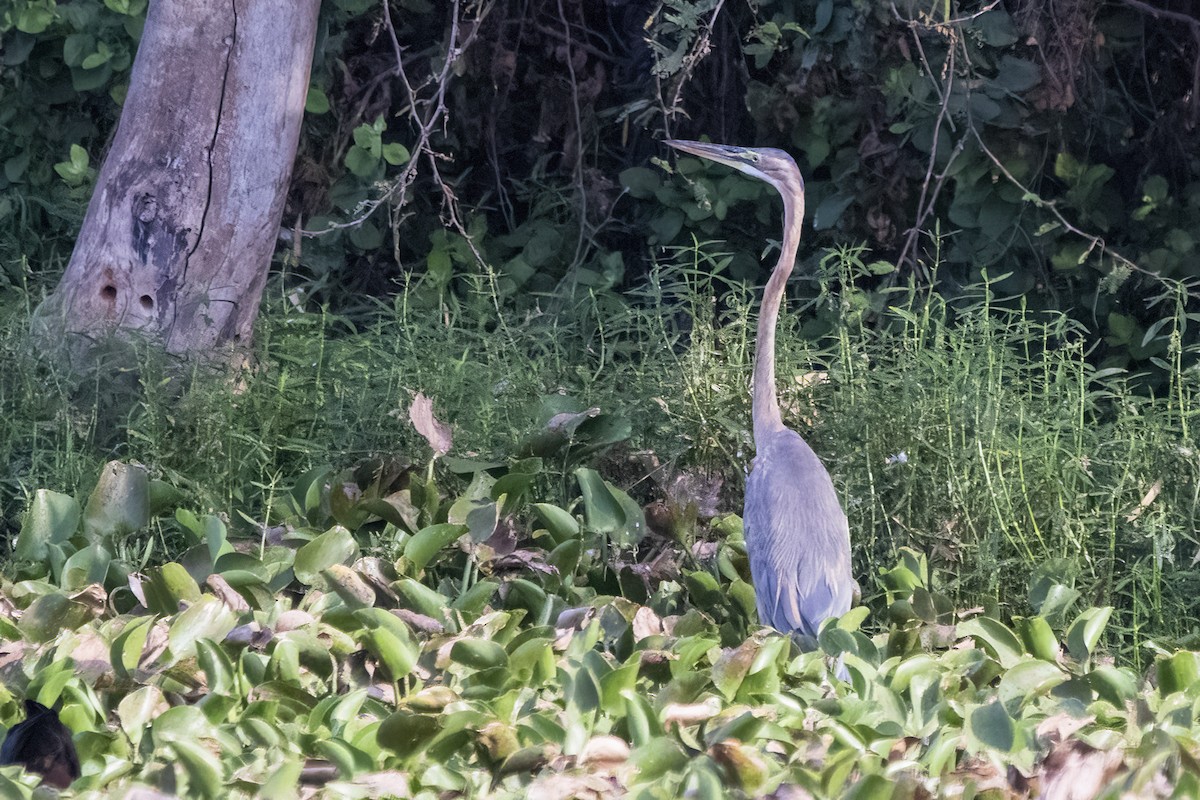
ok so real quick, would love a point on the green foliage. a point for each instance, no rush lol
(206, 677)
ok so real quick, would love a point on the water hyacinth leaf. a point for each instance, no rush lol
(996, 637)
(565, 557)
(420, 598)
(168, 587)
(657, 757)
(1177, 673)
(908, 668)
(635, 519)
(483, 519)
(426, 543)
(389, 640)
(990, 726)
(207, 618)
(208, 530)
(407, 734)
(640, 720)
(474, 599)
(602, 511)
(349, 586)
(334, 546)
(1085, 632)
(127, 647)
(615, 685)
(1038, 638)
(180, 723)
(732, 667)
(703, 781)
(478, 493)
(1114, 684)
(50, 615)
(51, 518)
(478, 654)
(219, 674)
(85, 567)
(561, 525)
(137, 709)
(1027, 681)
(120, 503)
(204, 770)
(283, 779)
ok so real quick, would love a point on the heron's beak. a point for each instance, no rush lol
(721, 153)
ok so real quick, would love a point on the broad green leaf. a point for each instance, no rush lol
(389, 640)
(51, 614)
(1038, 637)
(85, 567)
(990, 726)
(1177, 673)
(120, 503)
(396, 154)
(478, 653)
(426, 543)
(207, 618)
(285, 778)
(127, 647)
(561, 525)
(334, 546)
(361, 161)
(168, 587)
(137, 709)
(830, 210)
(1085, 632)
(317, 102)
(407, 734)
(996, 637)
(657, 757)
(219, 674)
(1117, 685)
(420, 598)
(52, 517)
(1027, 681)
(349, 585)
(204, 769)
(602, 510)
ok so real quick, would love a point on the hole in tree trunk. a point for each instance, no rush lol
(109, 293)
(147, 301)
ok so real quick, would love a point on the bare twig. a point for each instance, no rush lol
(1194, 24)
(924, 209)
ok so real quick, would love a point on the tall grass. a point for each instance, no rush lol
(978, 432)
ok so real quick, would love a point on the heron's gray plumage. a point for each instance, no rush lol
(797, 537)
(796, 531)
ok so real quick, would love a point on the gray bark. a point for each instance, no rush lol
(180, 230)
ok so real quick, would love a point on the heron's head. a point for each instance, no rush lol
(765, 163)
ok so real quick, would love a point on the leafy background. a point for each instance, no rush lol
(270, 582)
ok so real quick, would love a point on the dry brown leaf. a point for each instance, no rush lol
(646, 623)
(574, 787)
(682, 714)
(292, 619)
(1077, 771)
(604, 751)
(1145, 502)
(227, 594)
(436, 432)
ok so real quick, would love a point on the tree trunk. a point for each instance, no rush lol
(180, 229)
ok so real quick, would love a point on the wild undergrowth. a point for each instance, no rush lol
(434, 547)
(980, 435)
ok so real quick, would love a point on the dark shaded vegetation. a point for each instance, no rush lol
(992, 343)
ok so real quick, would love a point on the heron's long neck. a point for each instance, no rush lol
(766, 404)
